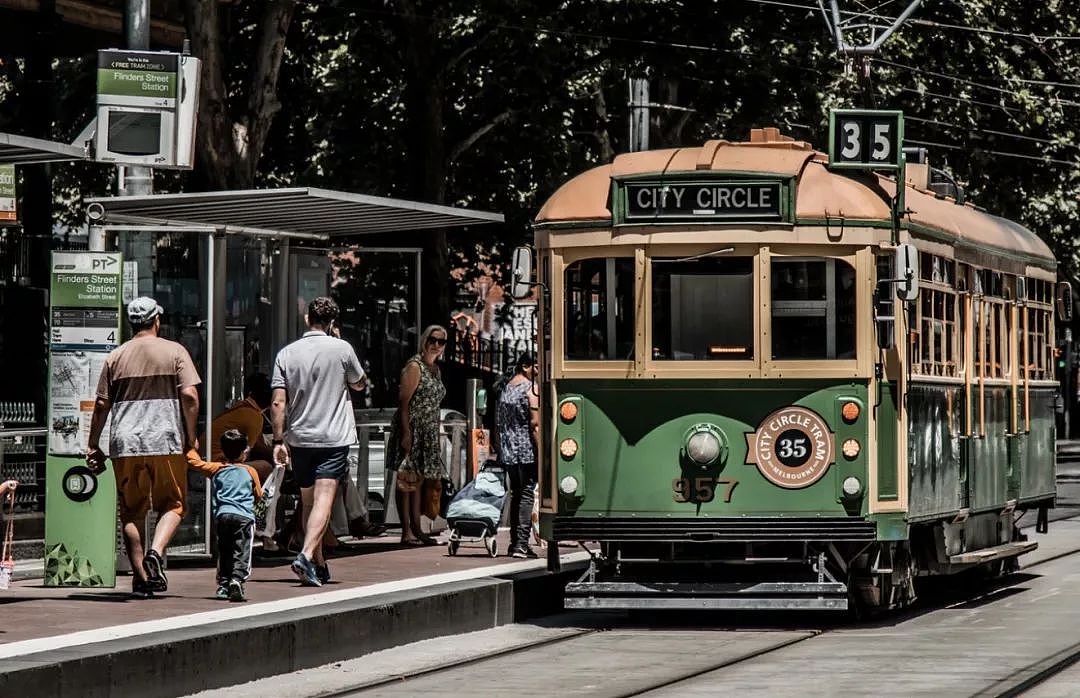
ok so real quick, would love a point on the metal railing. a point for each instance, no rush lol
(22, 458)
(368, 462)
(481, 353)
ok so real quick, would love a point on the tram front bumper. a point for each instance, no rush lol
(817, 596)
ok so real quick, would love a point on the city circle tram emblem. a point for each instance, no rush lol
(792, 447)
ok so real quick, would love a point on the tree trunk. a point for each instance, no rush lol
(229, 146)
(426, 156)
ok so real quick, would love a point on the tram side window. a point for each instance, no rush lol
(813, 309)
(600, 309)
(703, 309)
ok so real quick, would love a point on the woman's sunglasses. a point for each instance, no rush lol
(439, 341)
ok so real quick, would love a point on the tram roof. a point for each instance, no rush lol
(305, 213)
(820, 192)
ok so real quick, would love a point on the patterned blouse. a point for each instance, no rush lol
(515, 424)
(426, 456)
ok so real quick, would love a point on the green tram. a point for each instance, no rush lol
(758, 392)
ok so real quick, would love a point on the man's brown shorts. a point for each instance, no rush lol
(150, 482)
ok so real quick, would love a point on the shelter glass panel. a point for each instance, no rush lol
(703, 309)
(813, 309)
(600, 309)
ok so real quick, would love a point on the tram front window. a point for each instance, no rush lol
(703, 309)
(813, 309)
(600, 309)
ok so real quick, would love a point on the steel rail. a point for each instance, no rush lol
(359, 688)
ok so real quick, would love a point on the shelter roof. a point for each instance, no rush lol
(23, 150)
(820, 192)
(304, 212)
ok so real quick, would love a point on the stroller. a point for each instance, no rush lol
(475, 511)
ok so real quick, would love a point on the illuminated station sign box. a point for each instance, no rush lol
(146, 107)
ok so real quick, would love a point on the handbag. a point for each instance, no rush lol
(7, 559)
(431, 498)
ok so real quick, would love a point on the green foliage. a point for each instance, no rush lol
(493, 105)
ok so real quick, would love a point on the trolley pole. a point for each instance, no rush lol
(639, 114)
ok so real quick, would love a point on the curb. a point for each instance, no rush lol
(191, 659)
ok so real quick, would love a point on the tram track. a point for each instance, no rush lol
(360, 688)
(1013, 685)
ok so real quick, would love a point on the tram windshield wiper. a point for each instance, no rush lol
(714, 253)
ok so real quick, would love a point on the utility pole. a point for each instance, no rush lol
(138, 247)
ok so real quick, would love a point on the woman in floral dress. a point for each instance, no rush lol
(413, 448)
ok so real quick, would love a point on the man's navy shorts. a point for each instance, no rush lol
(311, 464)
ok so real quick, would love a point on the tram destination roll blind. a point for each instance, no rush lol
(698, 201)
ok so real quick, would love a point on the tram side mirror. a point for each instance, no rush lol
(1064, 301)
(521, 272)
(907, 272)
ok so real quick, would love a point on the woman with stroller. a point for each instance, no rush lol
(413, 447)
(517, 421)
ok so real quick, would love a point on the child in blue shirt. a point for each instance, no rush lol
(235, 489)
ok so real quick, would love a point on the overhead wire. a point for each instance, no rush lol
(872, 14)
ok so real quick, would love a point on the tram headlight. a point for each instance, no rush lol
(850, 412)
(851, 449)
(568, 411)
(568, 448)
(568, 485)
(703, 447)
(851, 486)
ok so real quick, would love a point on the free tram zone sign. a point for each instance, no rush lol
(661, 202)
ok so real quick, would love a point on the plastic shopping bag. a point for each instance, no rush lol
(7, 559)
(266, 508)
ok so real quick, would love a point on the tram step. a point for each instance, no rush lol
(995, 553)
(691, 596)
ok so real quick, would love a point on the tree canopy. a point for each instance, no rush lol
(493, 104)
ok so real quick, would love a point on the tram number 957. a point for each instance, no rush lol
(702, 489)
(865, 139)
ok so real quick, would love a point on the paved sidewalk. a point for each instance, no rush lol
(31, 610)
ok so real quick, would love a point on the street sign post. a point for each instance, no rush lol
(80, 507)
(8, 196)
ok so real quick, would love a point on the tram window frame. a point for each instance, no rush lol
(936, 348)
(617, 278)
(811, 307)
(1040, 311)
(662, 321)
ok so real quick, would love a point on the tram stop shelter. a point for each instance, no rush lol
(234, 271)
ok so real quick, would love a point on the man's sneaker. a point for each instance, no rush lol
(236, 590)
(323, 573)
(222, 591)
(524, 552)
(154, 567)
(305, 571)
(140, 589)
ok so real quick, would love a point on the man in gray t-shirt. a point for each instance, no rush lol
(314, 426)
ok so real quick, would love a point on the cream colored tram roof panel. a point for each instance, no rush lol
(857, 197)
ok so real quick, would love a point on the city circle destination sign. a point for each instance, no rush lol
(139, 77)
(703, 201)
(85, 301)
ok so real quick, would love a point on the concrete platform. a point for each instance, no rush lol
(85, 642)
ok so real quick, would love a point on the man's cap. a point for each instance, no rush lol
(142, 310)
